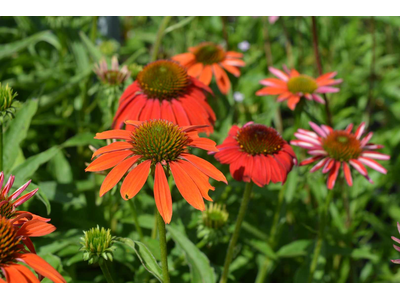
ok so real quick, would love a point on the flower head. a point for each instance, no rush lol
(396, 261)
(212, 226)
(113, 76)
(292, 85)
(161, 146)
(207, 59)
(97, 244)
(7, 100)
(334, 149)
(13, 252)
(256, 153)
(164, 90)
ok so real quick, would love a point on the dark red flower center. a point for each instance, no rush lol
(302, 84)
(6, 209)
(8, 242)
(159, 140)
(342, 146)
(163, 79)
(259, 139)
(209, 53)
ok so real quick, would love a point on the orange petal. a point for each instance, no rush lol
(222, 79)
(293, 100)
(108, 160)
(114, 134)
(135, 180)
(112, 147)
(199, 178)
(35, 228)
(205, 167)
(231, 69)
(195, 70)
(204, 143)
(41, 266)
(184, 58)
(187, 187)
(117, 173)
(162, 194)
(206, 75)
(19, 274)
(269, 90)
(234, 54)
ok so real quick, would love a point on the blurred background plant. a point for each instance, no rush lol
(50, 62)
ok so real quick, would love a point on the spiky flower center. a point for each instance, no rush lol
(97, 243)
(342, 146)
(302, 84)
(7, 209)
(259, 139)
(159, 140)
(209, 53)
(163, 79)
(8, 242)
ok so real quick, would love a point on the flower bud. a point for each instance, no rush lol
(97, 244)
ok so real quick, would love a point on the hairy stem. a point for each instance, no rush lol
(163, 247)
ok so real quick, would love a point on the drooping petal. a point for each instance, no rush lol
(135, 180)
(108, 160)
(114, 134)
(36, 228)
(279, 74)
(204, 166)
(162, 194)
(116, 146)
(16, 273)
(347, 174)
(333, 175)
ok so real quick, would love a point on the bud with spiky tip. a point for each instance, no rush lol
(97, 244)
(7, 101)
(113, 76)
(213, 226)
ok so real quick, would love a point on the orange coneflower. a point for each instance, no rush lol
(292, 85)
(335, 149)
(256, 153)
(208, 58)
(13, 252)
(161, 146)
(164, 90)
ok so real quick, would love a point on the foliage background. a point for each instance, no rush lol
(49, 61)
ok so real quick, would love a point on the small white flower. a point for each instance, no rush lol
(238, 96)
(244, 46)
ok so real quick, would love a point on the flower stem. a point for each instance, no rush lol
(262, 274)
(163, 248)
(235, 235)
(319, 66)
(93, 30)
(322, 223)
(1, 146)
(106, 271)
(370, 101)
(135, 219)
(160, 34)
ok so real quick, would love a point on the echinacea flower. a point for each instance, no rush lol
(291, 86)
(160, 146)
(164, 90)
(396, 261)
(256, 153)
(13, 252)
(334, 149)
(113, 76)
(207, 59)
(9, 203)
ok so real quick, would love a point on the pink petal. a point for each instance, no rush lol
(360, 130)
(375, 155)
(318, 165)
(19, 191)
(278, 73)
(307, 138)
(372, 164)
(326, 89)
(318, 98)
(317, 129)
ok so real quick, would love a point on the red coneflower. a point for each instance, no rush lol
(340, 148)
(13, 252)
(164, 90)
(292, 86)
(256, 153)
(207, 59)
(160, 146)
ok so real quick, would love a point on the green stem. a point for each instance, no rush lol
(262, 274)
(163, 248)
(154, 230)
(93, 31)
(160, 34)
(235, 235)
(1, 146)
(106, 271)
(322, 223)
(135, 219)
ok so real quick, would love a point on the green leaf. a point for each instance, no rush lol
(11, 48)
(93, 50)
(16, 133)
(42, 197)
(60, 168)
(81, 139)
(200, 268)
(145, 256)
(296, 248)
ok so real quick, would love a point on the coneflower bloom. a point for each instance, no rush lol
(256, 153)
(9, 203)
(207, 59)
(113, 76)
(13, 252)
(396, 261)
(164, 90)
(291, 86)
(160, 146)
(334, 149)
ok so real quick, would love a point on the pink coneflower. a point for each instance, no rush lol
(292, 85)
(273, 19)
(340, 148)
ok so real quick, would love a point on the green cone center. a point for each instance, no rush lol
(342, 146)
(209, 53)
(302, 84)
